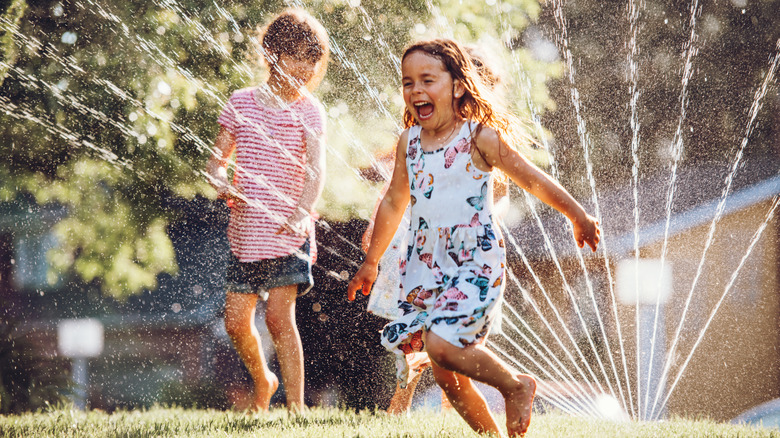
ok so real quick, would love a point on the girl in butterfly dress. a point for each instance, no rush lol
(387, 290)
(454, 268)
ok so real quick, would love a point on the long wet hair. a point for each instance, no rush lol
(478, 102)
(294, 32)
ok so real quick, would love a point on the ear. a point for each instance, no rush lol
(458, 90)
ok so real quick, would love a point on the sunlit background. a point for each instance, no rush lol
(662, 117)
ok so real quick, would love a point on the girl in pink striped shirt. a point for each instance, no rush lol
(277, 132)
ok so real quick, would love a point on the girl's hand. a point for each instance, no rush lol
(364, 279)
(230, 194)
(587, 231)
(297, 226)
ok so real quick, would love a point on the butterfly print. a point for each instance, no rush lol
(478, 202)
(392, 331)
(412, 151)
(485, 241)
(419, 242)
(426, 185)
(413, 343)
(447, 306)
(406, 307)
(427, 258)
(413, 294)
(482, 283)
(415, 172)
(485, 271)
(450, 320)
(477, 176)
(476, 316)
(418, 296)
(462, 255)
(452, 152)
(454, 293)
(440, 276)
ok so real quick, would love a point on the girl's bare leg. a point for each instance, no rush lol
(402, 397)
(467, 400)
(479, 363)
(240, 326)
(280, 319)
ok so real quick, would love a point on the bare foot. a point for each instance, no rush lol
(263, 393)
(518, 406)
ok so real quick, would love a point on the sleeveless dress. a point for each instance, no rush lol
(452, 275)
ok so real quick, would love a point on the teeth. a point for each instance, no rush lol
(420, 103)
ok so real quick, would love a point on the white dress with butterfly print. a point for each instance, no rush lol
(453, 271)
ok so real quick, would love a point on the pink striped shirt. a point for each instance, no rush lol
(270, 171)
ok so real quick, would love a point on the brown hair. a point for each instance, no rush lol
(477, 102)
(294, 32)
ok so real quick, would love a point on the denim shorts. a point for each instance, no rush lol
(260, 276)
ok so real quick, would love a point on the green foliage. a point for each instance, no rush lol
(327, 423)
(27, 383)
(111, 108)
(11, 12)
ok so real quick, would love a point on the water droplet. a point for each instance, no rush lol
(176, 307)
(69, 37)
(164, 88)
(316, 307)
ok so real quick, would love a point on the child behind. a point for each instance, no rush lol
(277, 132)
(454, 268)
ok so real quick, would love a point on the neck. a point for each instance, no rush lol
(442, 134)
(281, 88)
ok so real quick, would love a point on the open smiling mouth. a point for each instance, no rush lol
(424, 110)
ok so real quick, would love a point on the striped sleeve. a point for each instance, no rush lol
(314, 119)
(227, 119)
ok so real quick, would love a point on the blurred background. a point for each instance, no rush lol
(108, 113)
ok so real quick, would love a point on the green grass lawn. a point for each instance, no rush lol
(326, 423)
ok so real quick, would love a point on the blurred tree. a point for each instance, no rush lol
(733, 43)
(11, 12)
(28, 382)
(110, 109)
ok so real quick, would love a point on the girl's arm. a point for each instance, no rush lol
(313, 184)
(216, 168)
(388, 217)
(494, 152)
